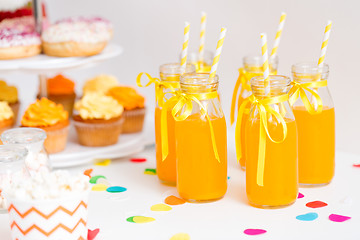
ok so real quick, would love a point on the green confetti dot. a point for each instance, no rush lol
(150, 171)
(94, 179)
(130, 219)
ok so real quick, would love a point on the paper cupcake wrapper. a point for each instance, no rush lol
(64, 219)
(134, 120)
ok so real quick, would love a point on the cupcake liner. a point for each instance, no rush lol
(56, 139)
(134, 120)
(98, 134)
(15, 108)
(56, 219)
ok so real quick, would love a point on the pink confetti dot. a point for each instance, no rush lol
(356, 165)
(93, 233)
(300, 195)
(338, 218)
(254, 231)
(138, 160)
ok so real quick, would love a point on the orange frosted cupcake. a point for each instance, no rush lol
(98, 121)
(9, 94)
(61, 90)
(134, 107)
(6, 117)
(53, 119)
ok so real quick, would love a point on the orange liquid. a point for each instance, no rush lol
(200, 176)
(281, 172)
(316, 145)
(244, 120)
(166, 170)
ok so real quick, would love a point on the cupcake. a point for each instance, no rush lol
(49, 205)
(9, 94)
(61, 90)
(134, 107)
(100, 84)
(99, 120)
(6, 117)
(53, 119)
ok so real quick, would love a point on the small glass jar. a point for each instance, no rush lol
(12, 165)
(316, 124)
(201, 142)
(202, 65)
(33, 140)
(252, 67)
(169, 77)
(271, 152)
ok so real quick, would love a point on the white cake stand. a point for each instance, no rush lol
(75, 154)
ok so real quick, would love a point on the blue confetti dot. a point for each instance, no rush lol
(115, 189)
(307, 217)
(228, 177)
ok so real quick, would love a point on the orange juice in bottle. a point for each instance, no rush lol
(201, 140)
(166, 165)
(316, 124)
(271, 156)
(252, 67)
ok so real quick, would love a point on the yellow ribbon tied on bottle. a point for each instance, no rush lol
(159, 86)
(298, 90)
(265, 112)
(185, 101)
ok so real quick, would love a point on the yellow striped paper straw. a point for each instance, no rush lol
(185, 46)
(202, 35)
(278, 35)
(218, 52)
(265, 62)
(324, 44)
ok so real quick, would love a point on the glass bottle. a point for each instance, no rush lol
(169, 78)
(315, 123)
(252, 67)
(33, 140)
(201, 141)
(12, 166)
(202, 65)
(272, 176)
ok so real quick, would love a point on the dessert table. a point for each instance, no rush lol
(224, 219)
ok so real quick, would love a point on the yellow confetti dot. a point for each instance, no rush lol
(141, 219)
(102, 162)
(160, 207)
(180, 236)
(99, 187)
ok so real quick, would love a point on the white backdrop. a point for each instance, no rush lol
(151, 33)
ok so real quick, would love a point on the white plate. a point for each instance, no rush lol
(47, 64)
(76, 154)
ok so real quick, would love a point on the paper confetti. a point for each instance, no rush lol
(140, 219)
(338, 218)
(307, 217)
(180, 236)
(93, 233)
(94, 179)
(150, 171)
(316, 204)
(160, 207)
(88, 172)
(356, 165)
(103, 162)
(103, 181)
(254, 231)
(116, 189)
(300, 195)
(228, 177)
(99, 187)
(172, 200)
(138, 160)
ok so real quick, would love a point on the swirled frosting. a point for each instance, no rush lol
(44, 113)
(5, 111)
(60, 85)
(79, 29)
(127, 96)
(8, 93)
(98, 106)
(101, 84)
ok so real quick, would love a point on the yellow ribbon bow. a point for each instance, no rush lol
(244, 82)
(184, 100)
(299, 89)
(265, 111)
(159, 85)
